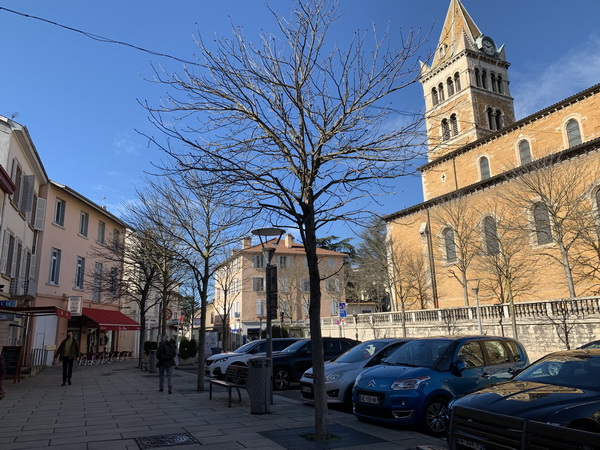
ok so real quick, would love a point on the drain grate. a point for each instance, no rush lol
(166, 440)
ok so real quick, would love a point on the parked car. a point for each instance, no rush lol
(342, 371)
(216, 365)
(414, 385)
(592, 344)
(562, 388)
(291, 363)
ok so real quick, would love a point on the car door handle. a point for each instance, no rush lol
(486, 375)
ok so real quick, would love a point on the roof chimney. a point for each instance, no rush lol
(246, 242)
(289, 240)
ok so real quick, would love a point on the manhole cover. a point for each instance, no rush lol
(166, 440)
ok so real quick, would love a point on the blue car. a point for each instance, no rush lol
(414, 385)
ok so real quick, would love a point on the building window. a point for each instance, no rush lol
(258, 261)
(84, 221)
(457, 82)
(54, 266)
(305, 285)
(331, 263)
(79, 272)
(332, 285)
(101, 232)
(282, 262)
(490, 231)
(498, 119)
(484, 83)
(493, 78)
(573, 133)
(500, 86)
(258, 284)
(116, 240)
(477, 78)
(450, 85)
(484, 168)
(260, 308)
(441, 91)
(97, 289)
(445, 130)
(454, 124)
(541, 219)
(449, 244)
(334, 308)
(434, 96)
(8, 250)
(490, 116)
(114, 281)
(284, 284)
(524, 152)
(59, 213)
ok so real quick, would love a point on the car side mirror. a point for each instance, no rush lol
(459, 367)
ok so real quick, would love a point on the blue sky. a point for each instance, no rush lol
(79, 97)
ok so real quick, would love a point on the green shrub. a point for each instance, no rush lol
(184, 349)
(193, 348)
(149, 345)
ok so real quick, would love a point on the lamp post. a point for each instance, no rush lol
(270, 291)
(476, 292)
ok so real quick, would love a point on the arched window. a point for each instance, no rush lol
(573, 133)
(541, 220)
(490, 115)
(484, 168)
(493, 78)
(500, 87)
(490, 234)
(457, 82)
(449, 244)
(450, 85)
(477, 78)
(445, 130)
(484, 79)
(441, 91)
(454, 124)
(524, 152)
(498, 119)
(434, 96)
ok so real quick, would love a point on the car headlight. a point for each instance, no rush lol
(334, 376)
(408, 384)
(220, 360)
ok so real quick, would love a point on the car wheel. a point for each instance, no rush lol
(435, 416)
(281, 378)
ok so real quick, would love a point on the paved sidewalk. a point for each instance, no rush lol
(118, 406)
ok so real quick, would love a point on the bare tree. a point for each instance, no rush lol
(460, 234)
(556, 196)
(296, 127)
(227, 290)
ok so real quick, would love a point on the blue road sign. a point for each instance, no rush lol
(10, 303)
(343, 312)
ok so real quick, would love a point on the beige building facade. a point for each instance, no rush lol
(510, 209)
(240, 288)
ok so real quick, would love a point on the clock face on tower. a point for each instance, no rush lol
(487, 45)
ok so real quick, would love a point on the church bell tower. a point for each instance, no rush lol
(466, 88)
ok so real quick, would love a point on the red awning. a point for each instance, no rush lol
(36, 311)
(111, 320)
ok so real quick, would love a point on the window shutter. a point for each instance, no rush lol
(5, 245)
(33, 267)
(27, 197)
(40, 214)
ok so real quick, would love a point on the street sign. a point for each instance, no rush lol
(169, 313)
(9, 303)
(343, 313)
(342, 305)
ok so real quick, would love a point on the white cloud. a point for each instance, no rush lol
(570, 74)
(124, 145)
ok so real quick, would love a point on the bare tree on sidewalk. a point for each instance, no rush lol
(296, 127)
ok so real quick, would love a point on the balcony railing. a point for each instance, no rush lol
(23, 287)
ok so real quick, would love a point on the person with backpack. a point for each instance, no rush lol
(165, 355)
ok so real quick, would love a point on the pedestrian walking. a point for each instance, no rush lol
(2, 372)
(68, 351)
(165, 354)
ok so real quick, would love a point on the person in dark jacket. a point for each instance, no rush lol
(68, 351)
(165, 355)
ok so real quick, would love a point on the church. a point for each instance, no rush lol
(511, 209)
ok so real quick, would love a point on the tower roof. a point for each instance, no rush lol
(459, 32)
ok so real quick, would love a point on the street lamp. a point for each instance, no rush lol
(476, 292)
(270, 291)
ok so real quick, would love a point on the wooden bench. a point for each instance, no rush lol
(235, 377)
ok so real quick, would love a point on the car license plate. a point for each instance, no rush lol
(369, 399)
(470, 444)
(307, 389)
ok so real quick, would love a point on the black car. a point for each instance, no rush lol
(562, 388)
(291, 363)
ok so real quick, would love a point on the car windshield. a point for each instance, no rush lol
(361, 352)
(246, 347)
(419, 353)
(295, 346)
(570, 370)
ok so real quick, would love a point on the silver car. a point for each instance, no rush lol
(342, 371)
